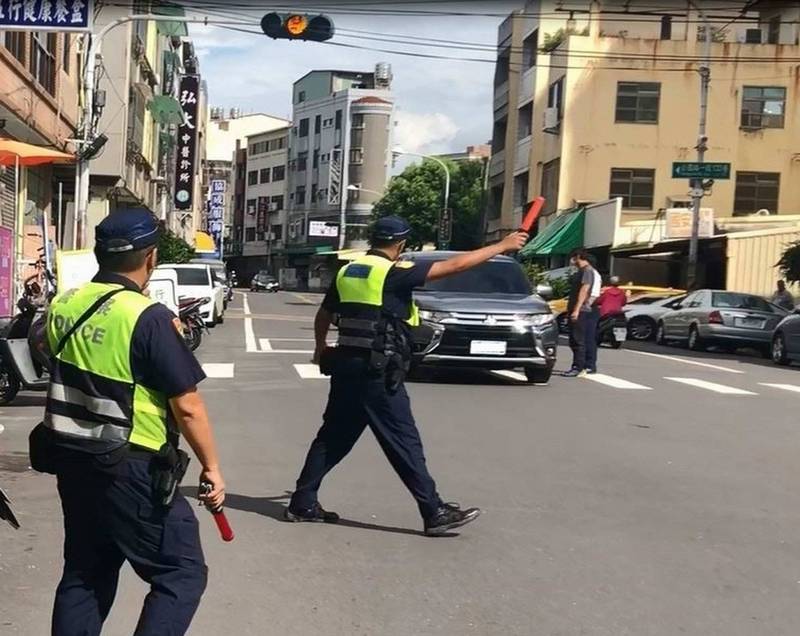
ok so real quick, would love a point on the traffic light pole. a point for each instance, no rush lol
(702, 146)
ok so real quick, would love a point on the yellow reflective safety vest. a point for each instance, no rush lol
(360, 286)
(94, 402)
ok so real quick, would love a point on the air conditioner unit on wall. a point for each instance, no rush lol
(551, 119)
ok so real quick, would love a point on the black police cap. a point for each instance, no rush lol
(391, 228)
(126, 231)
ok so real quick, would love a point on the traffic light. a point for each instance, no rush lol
(297, 26)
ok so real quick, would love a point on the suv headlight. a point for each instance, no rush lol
(536, 320)
(433, 316)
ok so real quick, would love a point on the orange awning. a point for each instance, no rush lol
(30, 155)
(203, 243)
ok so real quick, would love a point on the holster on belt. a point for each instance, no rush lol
(169, 467)
(327, 361)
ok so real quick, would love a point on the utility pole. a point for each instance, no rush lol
(702, 146)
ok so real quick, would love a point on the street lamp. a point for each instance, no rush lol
(399, 151)
(355, 188)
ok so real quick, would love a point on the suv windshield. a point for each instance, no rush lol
(490, 278)
(192, 276)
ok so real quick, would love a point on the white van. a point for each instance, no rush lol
(197, 281)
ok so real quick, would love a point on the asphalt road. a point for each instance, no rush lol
(659, 498)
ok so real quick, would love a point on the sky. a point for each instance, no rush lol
(442, 105)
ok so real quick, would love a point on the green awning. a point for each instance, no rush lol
(562, 236)
(171, 29)
(308, 249)
(166, 110)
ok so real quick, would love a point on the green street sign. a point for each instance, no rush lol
(694, 170)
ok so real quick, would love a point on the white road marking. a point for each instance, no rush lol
(309, 372)
(685, 361)
(266, 347)
(2, 428)
(249, 334)
(305, 299)
(218, 369)
(711, 386)
(784, 387)
(617, 383)
(511, 375)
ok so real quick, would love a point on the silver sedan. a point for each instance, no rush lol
(644, 311)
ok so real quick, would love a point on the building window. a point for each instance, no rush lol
(551, 172)
(555, 97)
(277, 202)
(314, 194)
(357, 155)
(304, 127)
(358, 121)
(525, 121)
(277, 232)
(301, 97)
(634, 186)
(756, 191)
(252, 177)
(264, 175)
(300, 195)
(251, 206)
(338, 120)
(666, 27)
(637, 102)
(302, 161)
(66, 53)
(259, 148)
(327, 123)
(15, 43)
(278, 173)
(249, 234)
(520, 190)
(763, 107)
(317, 124)
(43, 60)
(315, 161)
(774, 30)
(529, 50)
(324, 158)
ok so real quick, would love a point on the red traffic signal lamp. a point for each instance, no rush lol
(297, 26)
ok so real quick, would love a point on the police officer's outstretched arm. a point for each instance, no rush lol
(511, 243)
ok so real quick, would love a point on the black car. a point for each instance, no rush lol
(263, 281)
(487, 317)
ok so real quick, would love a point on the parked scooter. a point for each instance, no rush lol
(612, 330)
(192, 321)
(20, 368)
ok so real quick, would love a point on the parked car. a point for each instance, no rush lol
(724, 318)
(264, 281)
(786, 339)
(487, 317)
(220, 273)
(196, 280)
(644, 311)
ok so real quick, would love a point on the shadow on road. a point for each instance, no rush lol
(454, 375)
(29, 399)
(273, 507)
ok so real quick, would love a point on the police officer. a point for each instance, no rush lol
(123, 387)
(372, 300)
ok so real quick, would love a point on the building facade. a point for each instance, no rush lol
(339, 161)
(597, 105)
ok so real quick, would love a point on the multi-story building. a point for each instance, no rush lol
(38, 105)
(339, 159)
(599, 103)
(480, 152)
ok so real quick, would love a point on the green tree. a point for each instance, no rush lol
(417, 194)
(173, 249)
(789, 264)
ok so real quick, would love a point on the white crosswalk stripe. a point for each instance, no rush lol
(711, 386)
(793, 388)
(309, 372)
(695, 363)
(218, 369)
(617, 383)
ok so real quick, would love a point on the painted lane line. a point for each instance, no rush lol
(266, 347)
(783, 387)
(309, 372)
(249, 334)
(685, 361)
(711, 386)
(218, 369)
(511, 375)
(617, 383)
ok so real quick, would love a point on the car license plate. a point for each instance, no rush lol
(487, 348)
(620, 334)
(752, 323)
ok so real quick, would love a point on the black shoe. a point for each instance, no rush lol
(448, 517)
(315, 514)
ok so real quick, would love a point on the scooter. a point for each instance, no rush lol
(612, 330)
(192, 321)
(20, 368)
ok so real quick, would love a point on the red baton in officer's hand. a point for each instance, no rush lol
(532, 215)
(225, 531)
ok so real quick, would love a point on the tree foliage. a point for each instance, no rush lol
(789, 264)
(173, 249)
(417, 194)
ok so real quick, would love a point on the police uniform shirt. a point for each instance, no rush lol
(398, 289)
(160, 359)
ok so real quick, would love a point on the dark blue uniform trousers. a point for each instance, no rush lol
(109, 518)
(359, 399)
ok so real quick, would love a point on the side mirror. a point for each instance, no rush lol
(677, 307)
(545, 291)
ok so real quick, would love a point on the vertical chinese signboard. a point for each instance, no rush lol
(46, 15)
(187, 143)
(216, 212)
(6, 272)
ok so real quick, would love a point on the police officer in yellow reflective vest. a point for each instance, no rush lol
(373, 304)
(122, 389)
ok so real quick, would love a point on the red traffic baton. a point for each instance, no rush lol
(532, 214)
(225, 530)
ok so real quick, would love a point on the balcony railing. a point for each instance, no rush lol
(527, 82)
(501, 95)
(522, 160)
(498, 163)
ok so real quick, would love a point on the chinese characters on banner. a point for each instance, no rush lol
(47, 15)
(6, 273)
(216, 211)
(261, 218)
(187, 142)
